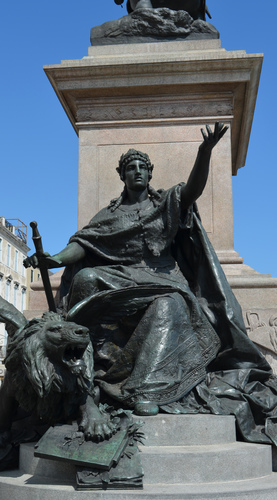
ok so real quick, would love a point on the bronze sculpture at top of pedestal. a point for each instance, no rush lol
(196, 8)
(157, 20)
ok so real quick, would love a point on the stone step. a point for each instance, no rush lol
(16, 486)
(185, 430)
(224, 470)
(38, 467)
(174, 464)
(205, 464)
(163, 430)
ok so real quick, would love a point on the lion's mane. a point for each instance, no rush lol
(42, 383)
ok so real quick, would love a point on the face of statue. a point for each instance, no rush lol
(136, 175)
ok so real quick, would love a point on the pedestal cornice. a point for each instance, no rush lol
(133, 75)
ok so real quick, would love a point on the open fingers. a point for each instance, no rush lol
(223, 130)
(212, 137)
(216, 130)
(205, 137)
(209, 130)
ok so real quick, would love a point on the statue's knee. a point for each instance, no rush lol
(172, 304)
(86, 275)
(83, 284)
(166, 303)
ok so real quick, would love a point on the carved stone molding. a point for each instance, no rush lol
(141, 108)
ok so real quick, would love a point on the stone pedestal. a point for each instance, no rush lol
(156, 97)
(185, 457)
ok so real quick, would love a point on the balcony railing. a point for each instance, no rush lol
(16, 227)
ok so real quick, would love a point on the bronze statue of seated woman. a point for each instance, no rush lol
(166, 329)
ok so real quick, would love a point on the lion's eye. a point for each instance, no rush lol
(55, 328)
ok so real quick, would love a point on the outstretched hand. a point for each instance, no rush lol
(210, 139)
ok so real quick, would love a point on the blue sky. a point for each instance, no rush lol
(39, 148)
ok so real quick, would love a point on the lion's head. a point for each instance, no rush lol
(50, 362)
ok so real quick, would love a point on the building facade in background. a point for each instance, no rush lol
(14, 278)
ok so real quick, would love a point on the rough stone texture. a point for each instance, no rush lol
(190, 465)
(23, 487)
(175, 464)
(214, 463)
(145, 25)
(188, 430)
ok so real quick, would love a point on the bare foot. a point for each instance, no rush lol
(95, 425)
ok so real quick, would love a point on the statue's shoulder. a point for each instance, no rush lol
(103, 214)
(164, 193)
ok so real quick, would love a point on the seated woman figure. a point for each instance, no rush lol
(145, 280)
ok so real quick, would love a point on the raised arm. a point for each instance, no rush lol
(199, 174)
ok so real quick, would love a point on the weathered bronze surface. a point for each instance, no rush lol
(66, 444)
(157, 20)
(160, 327)
(196, 8)
(126, 474)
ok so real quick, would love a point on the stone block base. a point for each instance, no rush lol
(185, 457)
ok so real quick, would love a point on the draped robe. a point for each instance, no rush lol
(164, 322)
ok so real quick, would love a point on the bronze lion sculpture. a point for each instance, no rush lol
(49, 373)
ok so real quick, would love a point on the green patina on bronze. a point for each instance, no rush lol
(159, 327)
(66, 443)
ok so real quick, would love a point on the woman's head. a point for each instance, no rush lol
(131, 155)
(126, 159)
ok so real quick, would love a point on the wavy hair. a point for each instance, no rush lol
(125, 159)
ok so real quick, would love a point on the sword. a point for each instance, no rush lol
(43, 271)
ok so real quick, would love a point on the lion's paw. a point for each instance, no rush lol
(97, 429)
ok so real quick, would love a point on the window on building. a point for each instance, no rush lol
(15, 294)
(16, 260)
(23, 299)
(8, 255)
(1, 249)
(32, 275)
(23, 270)
(8, 285)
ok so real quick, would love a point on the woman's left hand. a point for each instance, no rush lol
(210, 139)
